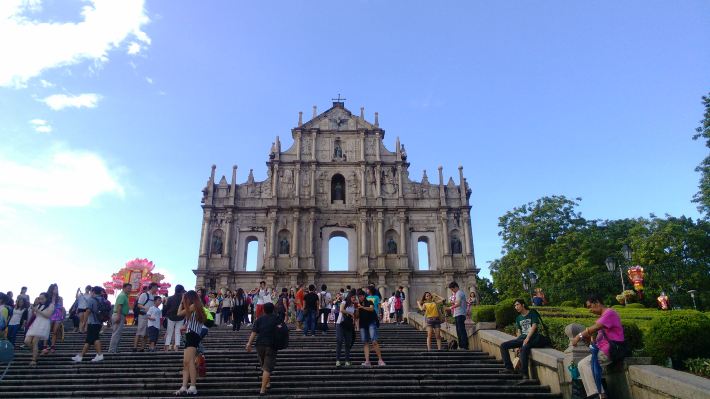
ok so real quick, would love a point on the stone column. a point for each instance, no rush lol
(377, 146)
(362, 146)
(363, 234)
(400, 189)
(294, 244)
(363, 191)
(275, 181)
(298, 145)
(402, 234)
(445, 232)
(297, 180)
(378, 172)
(380, 233)
(272, 244)
(467, 232)
(314, 146)
(313, 182)
(204, 245)
(227, 246)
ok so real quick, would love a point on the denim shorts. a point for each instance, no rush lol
(368, 334)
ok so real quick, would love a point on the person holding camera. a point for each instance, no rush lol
(145, 301)
(367, 319)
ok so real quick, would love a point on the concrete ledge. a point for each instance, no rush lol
(656, 382)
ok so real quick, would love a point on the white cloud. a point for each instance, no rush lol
(46, 83)
(61, 101)
(60, 177)
(41, 126)
(149, 80)
(37, 46)
(134, 48)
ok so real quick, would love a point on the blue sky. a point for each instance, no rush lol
(111, 112)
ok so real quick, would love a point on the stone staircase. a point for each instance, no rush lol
(305, 369)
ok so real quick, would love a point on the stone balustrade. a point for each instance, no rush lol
(636, 378)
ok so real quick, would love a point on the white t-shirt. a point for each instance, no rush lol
(156, 314)
(263, 296)
(82, 302)
(390, 302)
(326, 300)
(349, 310)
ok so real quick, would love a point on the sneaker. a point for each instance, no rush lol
(381, 363)
(347, 364)
(98, 358)
(77, 358)
(366, 364)
(337, 363)
(192, 390)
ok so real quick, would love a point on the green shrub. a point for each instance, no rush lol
(505, 313)
(483, 313)
(699, 366)
(569, 304)
(635, 306)
(511, 329)
(632, 335)
(678, 335)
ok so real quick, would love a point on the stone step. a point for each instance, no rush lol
(305, 369)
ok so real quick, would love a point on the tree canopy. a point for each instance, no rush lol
(702, 197)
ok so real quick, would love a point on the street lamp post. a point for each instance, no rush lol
(529, 280)
(611, 265)
(692, 295)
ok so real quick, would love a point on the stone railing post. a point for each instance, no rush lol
(573, 354)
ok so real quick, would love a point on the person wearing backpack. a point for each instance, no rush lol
(145, 301)
(311, 302)
(282, 305)
(326, 300)
(609, 342)
(93, 327)
(529, 325)
(265, 331)
(174, 321)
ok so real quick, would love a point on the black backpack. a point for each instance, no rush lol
(281, 336)
(104, 309)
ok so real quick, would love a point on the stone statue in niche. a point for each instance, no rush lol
(217, 245)
(337, 151)
(456, 245)
(284, 247)
(391, 246)
(338, 194)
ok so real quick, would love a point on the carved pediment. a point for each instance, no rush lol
(337, 118)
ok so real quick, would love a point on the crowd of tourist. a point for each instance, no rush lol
(186, 317)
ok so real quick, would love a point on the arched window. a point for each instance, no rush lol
(423, 253)
(337, 188)
(338, 253)
(252, 255)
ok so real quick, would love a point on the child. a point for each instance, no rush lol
(154, 315)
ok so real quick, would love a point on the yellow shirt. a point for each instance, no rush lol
(430, 309)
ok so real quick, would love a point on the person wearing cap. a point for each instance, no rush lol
(174, 321)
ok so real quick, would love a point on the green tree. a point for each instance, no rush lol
(702, 197)
(527, 232)
(486, 291)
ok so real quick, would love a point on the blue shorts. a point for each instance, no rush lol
(368, 334)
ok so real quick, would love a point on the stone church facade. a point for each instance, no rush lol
(337, 180)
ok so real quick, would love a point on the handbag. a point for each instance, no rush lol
(618, 350)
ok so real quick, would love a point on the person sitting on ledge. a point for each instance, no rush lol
(528, 326)
(608, 327)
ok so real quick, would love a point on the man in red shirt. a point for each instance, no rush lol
(300, 294)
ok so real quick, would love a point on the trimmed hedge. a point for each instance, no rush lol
(569, 304)
(635, 305)
(483, 313)
(505, 313)
(678, 335)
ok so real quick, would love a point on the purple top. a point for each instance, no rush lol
(613, 330)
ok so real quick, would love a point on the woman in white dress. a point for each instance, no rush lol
(39, 329)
